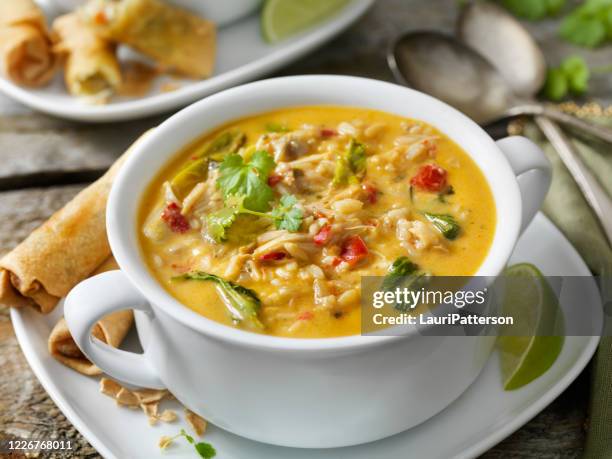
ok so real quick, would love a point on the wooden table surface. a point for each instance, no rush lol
(44, 162)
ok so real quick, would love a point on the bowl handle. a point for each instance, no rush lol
(90, 301)
(533, 173)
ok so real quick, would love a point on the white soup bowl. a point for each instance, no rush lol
(312, 393)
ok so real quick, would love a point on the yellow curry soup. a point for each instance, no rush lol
(269, 223)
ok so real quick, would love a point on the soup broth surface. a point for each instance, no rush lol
(272, 220)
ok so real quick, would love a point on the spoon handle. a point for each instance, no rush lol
(594, 129)
(550, 111)
(596, 196)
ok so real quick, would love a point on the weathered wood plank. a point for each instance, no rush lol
(557, 432)
(26, 411)
(22, 211)
(34, 143)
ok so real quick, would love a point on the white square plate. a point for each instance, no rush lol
(483, 416)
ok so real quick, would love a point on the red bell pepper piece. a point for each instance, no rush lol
(430, 177)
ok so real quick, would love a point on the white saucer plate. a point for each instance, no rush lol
(242, 55)
(483, 416)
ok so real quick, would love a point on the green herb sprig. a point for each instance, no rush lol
(444, 223)
(400, 268)
(571, 77)
(204, 450)
(287, 215)
(589, 25)
(406, 275)
(242, 303)
(250, 180)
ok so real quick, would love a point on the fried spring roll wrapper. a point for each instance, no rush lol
(91, 68)
(25, 46)
(111, 330)
(175, 38)
(62, 252)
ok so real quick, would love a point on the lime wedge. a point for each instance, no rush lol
(534, 342)
(283, 18)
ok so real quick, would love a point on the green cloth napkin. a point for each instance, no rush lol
(567, 208)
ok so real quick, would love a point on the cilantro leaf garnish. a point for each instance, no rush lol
(263, 162)
(577, 73)
(351, 166)
(287, 215)
(588, 25)
(249, 180)
(204, 450)
(572, 76)
(218, 223)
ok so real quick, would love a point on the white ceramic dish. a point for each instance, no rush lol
(220, 12)
(242, 55)
(422, 373)
(483, 416)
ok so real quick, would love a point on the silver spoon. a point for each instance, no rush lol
(486, 28)
(438, 52)
(449, 70)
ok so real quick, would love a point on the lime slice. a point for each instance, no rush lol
(534, 342)
(283, 18)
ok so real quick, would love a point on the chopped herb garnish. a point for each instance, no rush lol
(242, 303)
(403, 274)
(219, 222)
(351, 166)
(414, 281)
(286, 215)
(248, 180)
(572, 76)
(401, 267)
(589, 24)
(444, 223)
(205, 450)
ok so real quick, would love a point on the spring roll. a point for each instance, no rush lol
(91, 68)
(62, 252)
(111, 330)
(25, 45)
(175, 38)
